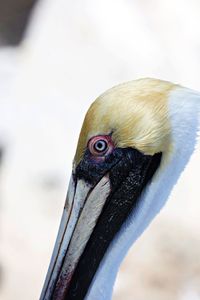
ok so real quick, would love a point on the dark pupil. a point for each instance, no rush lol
(100, 146)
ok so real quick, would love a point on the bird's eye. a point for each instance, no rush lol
(100, 145)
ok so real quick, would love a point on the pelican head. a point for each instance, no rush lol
(135, 141)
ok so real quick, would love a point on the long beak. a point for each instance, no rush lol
(79, 218)
(93, 214)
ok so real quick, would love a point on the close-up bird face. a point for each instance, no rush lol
(125, 143)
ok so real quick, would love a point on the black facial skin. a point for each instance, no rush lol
(129, 172)
(92, 170)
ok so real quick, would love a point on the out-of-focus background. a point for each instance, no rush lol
(56, 57)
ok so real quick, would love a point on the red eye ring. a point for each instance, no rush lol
(100, 145)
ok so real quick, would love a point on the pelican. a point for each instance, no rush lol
(135, 141)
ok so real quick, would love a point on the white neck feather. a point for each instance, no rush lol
(184, 113)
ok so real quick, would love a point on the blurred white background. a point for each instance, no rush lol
(71, 52)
